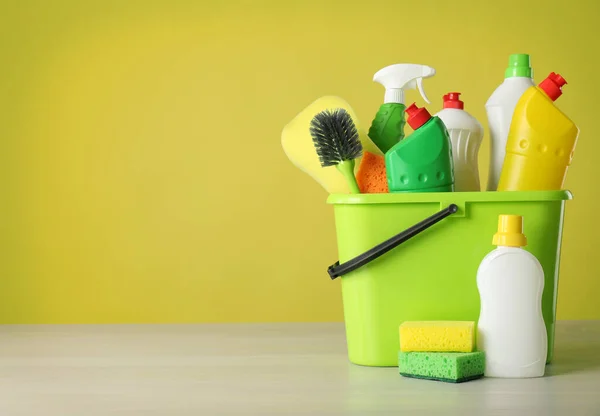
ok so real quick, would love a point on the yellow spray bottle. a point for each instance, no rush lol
(541, 141)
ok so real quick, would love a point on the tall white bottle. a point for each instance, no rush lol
(511, 327)
(466, 134)
(500, 107)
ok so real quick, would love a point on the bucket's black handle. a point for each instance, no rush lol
(337, 269)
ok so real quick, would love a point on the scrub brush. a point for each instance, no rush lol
(337, 143)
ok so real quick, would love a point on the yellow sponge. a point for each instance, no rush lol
(298, 144)
(437, 336)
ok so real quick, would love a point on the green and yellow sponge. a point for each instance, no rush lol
(442, 366)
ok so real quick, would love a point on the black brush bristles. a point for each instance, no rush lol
(335, 137)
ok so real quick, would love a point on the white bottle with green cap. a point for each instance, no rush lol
(500, 107)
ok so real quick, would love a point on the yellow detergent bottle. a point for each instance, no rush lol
(541, 141)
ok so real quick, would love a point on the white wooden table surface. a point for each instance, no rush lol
(262, 369)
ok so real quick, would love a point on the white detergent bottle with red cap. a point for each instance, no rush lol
(465, 134)
(511, 328)
(500, 108)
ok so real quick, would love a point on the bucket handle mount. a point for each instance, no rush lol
(337, 269)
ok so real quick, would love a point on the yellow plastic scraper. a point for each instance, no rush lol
(298, 144)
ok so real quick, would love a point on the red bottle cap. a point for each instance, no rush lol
(452, 100)
(417, 116)
(552, 85)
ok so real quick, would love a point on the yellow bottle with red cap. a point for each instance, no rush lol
(541, 141)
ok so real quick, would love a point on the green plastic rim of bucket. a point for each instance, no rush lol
(433, 275)
(454, 197)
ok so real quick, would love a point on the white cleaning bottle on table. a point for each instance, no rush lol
(465, 134)
(500, 107)
(511, 328)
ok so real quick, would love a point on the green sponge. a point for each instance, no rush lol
(451, 367)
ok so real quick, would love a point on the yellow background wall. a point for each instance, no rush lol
(142, 176)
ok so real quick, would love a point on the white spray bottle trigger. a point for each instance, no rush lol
(422, 91)
(418, 84)
(396, 78)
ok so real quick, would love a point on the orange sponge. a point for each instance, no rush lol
(371, 175)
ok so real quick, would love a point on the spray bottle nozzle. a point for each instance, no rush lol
(396, 78)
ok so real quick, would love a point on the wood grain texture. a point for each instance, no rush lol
(266, 369)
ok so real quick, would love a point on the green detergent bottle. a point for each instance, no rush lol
(423, 161)
(387, 128)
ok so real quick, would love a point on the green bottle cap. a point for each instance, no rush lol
(518, 66)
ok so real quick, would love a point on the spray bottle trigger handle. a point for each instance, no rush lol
(422, 91)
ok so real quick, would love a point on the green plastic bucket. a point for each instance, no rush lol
(432, 276)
